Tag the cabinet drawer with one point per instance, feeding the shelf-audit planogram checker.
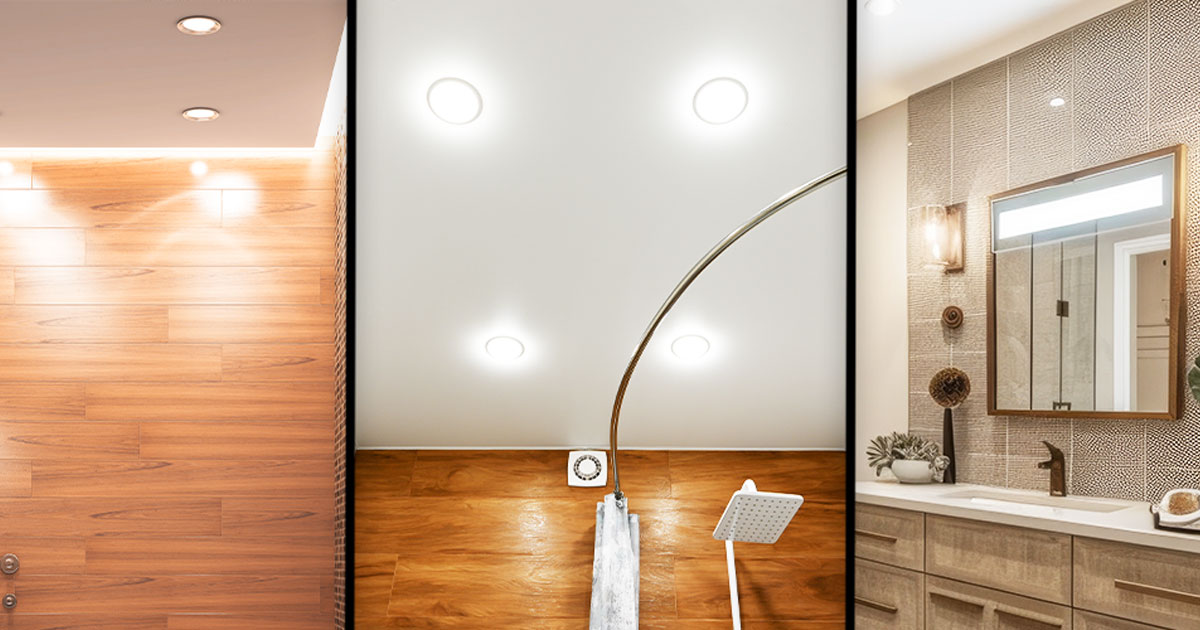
(954, 605)
(1085, 620)
(887, 597)
(890, 536)
(1014, 559)
(1150, 585)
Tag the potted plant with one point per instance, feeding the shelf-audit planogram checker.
(912, 458)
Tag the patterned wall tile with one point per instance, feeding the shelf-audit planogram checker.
(929, 146)
(931, 292)
(983, 469)
(1119, 482)
(1039, 138)
(1161, 480)
(1103, 443)
(1174, 29)
(1111, 119)
(980, 114)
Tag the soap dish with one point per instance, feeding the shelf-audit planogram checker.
(1164, 519)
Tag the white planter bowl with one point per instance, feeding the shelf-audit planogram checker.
(912, 470)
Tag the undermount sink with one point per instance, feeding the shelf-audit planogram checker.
(1006, 499)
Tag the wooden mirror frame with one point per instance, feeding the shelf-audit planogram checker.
(1178, 288)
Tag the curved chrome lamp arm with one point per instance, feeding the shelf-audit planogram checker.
(712, 254)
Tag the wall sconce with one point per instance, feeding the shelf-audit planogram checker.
(943, 227)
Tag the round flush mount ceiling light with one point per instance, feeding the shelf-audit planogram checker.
(454, 100)
(882, 7)
(201, 114)
(720, 100)
(504, 348)
(1058, 101)
(198, 25)
(690, 347)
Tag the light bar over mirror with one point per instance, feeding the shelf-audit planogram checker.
(1085, 303)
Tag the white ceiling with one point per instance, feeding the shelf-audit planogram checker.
(569, 209)
(81, 73)
(925, 42)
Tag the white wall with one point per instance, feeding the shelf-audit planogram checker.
(576, 201)
(881, 323)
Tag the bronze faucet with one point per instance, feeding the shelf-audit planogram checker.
(1058, 471)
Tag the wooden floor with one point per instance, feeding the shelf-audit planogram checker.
(496, 539)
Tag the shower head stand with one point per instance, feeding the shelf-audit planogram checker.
(753, 516)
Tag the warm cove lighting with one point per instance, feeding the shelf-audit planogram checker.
(720, 100)
(1098, 204)
(454, 101)
(883, 7)
(198, 25)
(690, 347)
(198, 168)
(201, 114)
(7, 169)
(504, 348)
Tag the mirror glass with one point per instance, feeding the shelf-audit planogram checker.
(1083, 318)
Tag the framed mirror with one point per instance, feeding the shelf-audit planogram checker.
(1086, 292)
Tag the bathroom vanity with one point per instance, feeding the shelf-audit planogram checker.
(966, 556)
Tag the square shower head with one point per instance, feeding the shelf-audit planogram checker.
(758, 517)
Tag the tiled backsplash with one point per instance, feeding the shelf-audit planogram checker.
(1131, 80)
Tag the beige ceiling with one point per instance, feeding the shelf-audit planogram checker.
(117, 73)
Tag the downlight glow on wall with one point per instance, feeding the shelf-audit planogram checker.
(504, 348)
(690, 347)
(720, 101)
(455, 101)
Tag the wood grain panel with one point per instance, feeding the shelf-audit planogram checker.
(277, 362)
(277, 208)
(528, 474)
(1084, 620)
(223, 555)
(110, 208)
(276, 516)
(110, 517)
(110, 362)
(373, 574)
(180, 478)
(237, 440)
(30, 247)
(15, 478)
(890, 536)
(328, 287)
(68, 440)
(47, 556)
(784, 588)
(1145, 584)
(577, 623)
(41, 401)
(167, 285)
(383, 474)
(8, 285)
(887, 598)
(210, 401)
(707, 473)
(182, 593)
(83, 324)
(684, 527)
(277, 621)
(498, 586)
(38, 621)
(21, 170)
(201, 247)
(251, 324)
(296, 171)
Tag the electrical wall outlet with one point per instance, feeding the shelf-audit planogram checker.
(587, 469)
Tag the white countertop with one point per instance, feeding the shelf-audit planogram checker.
(1129, 521)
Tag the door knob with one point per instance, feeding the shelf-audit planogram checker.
(10, 601)
(9, 564)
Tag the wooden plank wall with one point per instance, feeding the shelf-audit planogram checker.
(166, 391)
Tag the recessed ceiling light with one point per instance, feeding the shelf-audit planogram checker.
(198, 168)
(7, 169)
(504, 348)
(454, 100)
(1058, 101)
(198, 25)
(883, 7)
(720, 100)
(690, 347)
(201, 114)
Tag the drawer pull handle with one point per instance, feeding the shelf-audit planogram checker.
(1031, 616)
(876, 535)
(956, 597)
(1158, 591)
(887, 608)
